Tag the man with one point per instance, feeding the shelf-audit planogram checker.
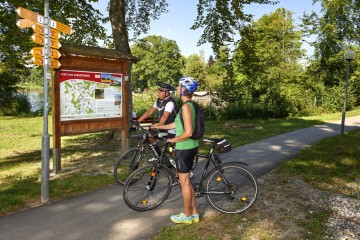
(165, 106)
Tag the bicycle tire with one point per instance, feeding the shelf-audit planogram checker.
(128, 162)
(236, 200)
(139, 195)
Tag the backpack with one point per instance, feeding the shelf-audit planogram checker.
(199, 129)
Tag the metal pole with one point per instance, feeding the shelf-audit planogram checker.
(45, 151)
(345, 95)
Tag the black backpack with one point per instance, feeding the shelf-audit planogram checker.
(199, 129)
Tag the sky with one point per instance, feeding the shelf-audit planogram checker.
(176, 23)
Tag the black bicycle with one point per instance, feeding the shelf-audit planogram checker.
(147, 150)
(228, 187)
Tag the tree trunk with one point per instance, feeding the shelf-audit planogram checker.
(121, 40)
(119, 31)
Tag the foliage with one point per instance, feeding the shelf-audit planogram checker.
(16, 43)
(143, 101)
(265, 65)
(337, 28)
(221, 19)
(160, 61)
(196, 68)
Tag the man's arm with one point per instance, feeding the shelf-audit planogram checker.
(147, 114)
(164, 118)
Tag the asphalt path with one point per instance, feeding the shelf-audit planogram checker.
(104, 215)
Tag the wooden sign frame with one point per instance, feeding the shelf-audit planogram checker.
(91, 59)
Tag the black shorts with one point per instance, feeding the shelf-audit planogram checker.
(185, 159)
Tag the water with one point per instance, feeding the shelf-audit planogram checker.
(36, 100)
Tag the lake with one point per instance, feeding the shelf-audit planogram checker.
(36, 99)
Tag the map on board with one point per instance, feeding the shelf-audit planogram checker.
(86, 95)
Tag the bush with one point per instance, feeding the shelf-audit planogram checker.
(20, 105)
(143, 101)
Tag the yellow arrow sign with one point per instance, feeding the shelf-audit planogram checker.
(38, 60)
(39, 51)
(24, 23)
(35, 17)
(38, 38)
(40, 29)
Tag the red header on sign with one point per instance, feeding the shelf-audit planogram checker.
(99, 77)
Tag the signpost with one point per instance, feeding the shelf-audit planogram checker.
(40, 29)
(40, 52)
(49, 38)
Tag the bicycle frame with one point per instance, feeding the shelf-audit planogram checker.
(216, 161)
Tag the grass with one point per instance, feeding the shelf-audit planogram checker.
(87, 162)
(332, 165)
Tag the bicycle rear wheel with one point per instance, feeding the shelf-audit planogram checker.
(128, 162)
(236, 196)
(147, 188)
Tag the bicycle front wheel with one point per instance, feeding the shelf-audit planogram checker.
(147, 188)
(232, 189)
(128, 162)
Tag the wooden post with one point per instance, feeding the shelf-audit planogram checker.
(125, 109)
(56, 123)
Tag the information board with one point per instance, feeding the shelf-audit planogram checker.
(89, 95)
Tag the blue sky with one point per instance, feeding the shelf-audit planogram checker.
(176, 24)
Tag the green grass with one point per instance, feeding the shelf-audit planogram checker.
(332, 165)
(87, 160)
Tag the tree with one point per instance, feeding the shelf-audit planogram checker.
(196, 68)
(222, 19)
(219, 72)
(16, 43)
(268, 56)
(160, 61)
(336, 30)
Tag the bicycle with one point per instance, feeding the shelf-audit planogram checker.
(146, 151)
(228, 187)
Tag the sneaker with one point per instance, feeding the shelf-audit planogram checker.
(195, 218)
(181, 218)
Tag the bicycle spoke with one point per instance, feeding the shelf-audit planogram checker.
(147, 191)
(235, 197)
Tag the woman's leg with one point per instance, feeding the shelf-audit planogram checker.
(188, 194)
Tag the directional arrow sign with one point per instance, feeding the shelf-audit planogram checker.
(38, 60)
(35, 17)
(39, 28)
(38, 38)
(39, 51)
(24, 23)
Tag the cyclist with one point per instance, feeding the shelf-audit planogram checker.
(186, 149)
(165, 106)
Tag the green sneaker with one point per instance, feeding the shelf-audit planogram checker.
(195, 218)
(181, 218)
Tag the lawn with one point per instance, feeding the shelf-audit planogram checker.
(87, 160)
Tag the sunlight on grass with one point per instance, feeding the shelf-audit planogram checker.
(88, 159)
(327, 167)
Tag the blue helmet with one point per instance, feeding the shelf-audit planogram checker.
(189, 84)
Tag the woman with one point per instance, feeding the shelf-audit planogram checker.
(186, 149)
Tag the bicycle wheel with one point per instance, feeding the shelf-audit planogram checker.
(128, 162)
(236, 196)
(147, 188)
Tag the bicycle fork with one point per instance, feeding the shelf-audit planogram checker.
(152, 180)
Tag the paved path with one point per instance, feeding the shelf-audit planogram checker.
(104, 215)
